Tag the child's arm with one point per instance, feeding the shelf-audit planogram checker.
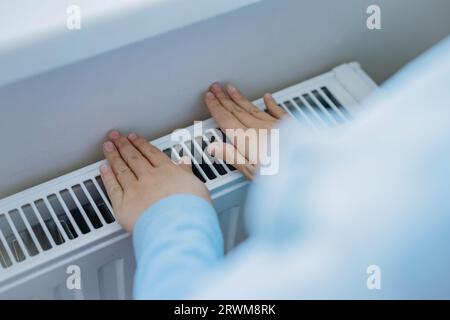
(176, 241)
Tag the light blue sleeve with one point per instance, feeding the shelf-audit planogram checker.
(175, 241)
(357, 212)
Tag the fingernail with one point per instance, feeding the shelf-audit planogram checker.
(104, 168)
(132, 136)
(268, 95)
(114, 134)
(216, 85)
(108, 146)
(209, 95)
(232, 88)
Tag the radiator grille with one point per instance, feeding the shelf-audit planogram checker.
(318, 108)
(60, 217)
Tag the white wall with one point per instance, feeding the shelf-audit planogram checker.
(55, 122)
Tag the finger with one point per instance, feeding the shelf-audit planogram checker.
(153, 154)
(249, 120)
(228, 123)
(241, 114)
(230, 155)
(224, 118)
(223, 97)
(123, 173)
(272, 107)
(132, 156)
(113, 188)
(245, 104)
(246, 118)
(185, 164)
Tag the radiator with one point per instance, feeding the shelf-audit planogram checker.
(66, 226)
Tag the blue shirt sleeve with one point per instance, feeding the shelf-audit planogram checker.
(176, 240)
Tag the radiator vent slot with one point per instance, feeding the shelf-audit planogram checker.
(52, 221)
(318, 108)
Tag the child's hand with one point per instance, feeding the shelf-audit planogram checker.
(139, 175)
(232, 110)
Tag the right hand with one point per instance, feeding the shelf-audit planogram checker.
(232, 110)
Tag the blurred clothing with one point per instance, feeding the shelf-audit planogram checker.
(374, 192)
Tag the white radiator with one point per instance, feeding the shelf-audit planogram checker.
(68, 221)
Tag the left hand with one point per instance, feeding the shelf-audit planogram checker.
(139, 174)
